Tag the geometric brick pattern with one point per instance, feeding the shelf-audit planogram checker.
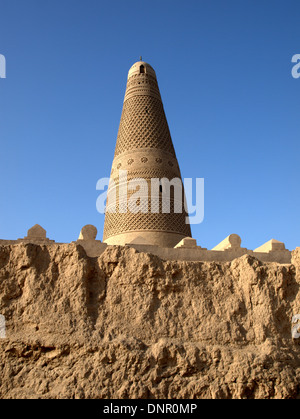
(120, 223)
(143, 125)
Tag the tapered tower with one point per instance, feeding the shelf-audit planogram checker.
(144, 150)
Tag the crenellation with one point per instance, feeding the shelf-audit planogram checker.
(37, 235)
(87, 239)
(187, 242)
(185, 250)
(233, 241)
(271, 246)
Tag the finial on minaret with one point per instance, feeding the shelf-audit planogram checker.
(141, 58)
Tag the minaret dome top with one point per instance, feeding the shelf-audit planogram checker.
(141, 67)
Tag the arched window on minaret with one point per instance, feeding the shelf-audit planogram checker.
(142, 69)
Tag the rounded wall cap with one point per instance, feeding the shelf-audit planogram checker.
(88, 232)
(135, 69)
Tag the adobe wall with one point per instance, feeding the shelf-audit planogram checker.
(186, 250)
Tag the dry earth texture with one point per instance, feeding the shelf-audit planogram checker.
(130, 325)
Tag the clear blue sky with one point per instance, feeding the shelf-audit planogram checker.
(224, 71)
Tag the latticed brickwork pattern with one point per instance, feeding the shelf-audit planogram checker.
(144, 205)
(143, 125)
(116, 223)
(120, 223)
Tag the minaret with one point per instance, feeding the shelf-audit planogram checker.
(144, 149)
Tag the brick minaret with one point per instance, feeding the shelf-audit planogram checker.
(145, 150)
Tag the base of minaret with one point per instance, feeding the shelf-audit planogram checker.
(155, 238)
